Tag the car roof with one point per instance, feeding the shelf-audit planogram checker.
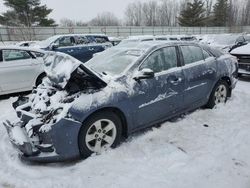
(77, 34)
(147, 45)
(21, 48)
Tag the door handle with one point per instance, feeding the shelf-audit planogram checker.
(176, 81)
(91, 49)
(70, 51)
(210, 71)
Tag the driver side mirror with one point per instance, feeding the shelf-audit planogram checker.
(144, 74)
(54, 46)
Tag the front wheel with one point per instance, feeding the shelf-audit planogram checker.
(219, 94)
(101, 131)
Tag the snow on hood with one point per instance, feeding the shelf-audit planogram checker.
(242, 50)
(59, 66)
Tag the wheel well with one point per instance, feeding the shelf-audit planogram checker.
(120, 114)
(227, 79)
(40, 76)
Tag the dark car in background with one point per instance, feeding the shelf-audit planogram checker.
(86, 108)
(79, 46)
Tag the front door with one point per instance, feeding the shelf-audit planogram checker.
(159, 97)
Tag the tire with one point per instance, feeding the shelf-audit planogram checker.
(219, 94)
(92, 137)
(40, 78)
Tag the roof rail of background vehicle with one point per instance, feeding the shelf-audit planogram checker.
(14, 47)
(146, 45)
(79, 34)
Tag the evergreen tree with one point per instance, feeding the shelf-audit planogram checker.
(26, 13)
(221, 10)
(193, 14)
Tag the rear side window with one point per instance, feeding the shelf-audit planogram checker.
(81, 40)
(38, 54)
(101, 39)
(191, 54)
(144, 40)
(11, 55)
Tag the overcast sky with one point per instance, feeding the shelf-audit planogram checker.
(82, 9)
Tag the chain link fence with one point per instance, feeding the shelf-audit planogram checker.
(41, 33)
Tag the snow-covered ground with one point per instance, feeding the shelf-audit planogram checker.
(207, 148)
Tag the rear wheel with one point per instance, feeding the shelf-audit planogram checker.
(101, 131)
(219, 94)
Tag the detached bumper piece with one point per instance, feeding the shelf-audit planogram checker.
(58, 144)
(28, 151)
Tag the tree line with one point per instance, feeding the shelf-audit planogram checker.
(188, 13)
(153, 13)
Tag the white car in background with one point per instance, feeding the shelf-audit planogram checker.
(243, 55)
(20, 69)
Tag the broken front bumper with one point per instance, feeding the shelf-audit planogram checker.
(59, 143)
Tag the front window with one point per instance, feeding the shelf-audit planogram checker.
(161, 60)
(66, 41)
(11, 55)
(113, 61)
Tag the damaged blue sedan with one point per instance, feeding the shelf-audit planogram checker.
(81, 109)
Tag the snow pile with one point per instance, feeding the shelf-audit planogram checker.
(207, 148)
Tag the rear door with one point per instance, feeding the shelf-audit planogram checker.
(211, 72)
(18, 70)
(196, 75)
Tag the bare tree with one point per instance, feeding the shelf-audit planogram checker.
(65, 22)
(133, 14)
(208, 5)
(150, 11)
(105, 19)
(246, 14)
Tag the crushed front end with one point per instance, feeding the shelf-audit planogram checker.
(46, 131)
(44, 135)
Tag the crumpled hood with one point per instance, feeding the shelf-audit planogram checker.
(59, 68)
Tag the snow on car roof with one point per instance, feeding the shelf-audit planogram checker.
(13, 47)
(146, 45)
(244, 50)
(140, 37)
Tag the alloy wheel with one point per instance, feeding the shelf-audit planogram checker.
(100, 135)
(220, 95)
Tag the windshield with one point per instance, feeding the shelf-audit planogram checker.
(113, 61)
(46, 43)
(226, 39)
